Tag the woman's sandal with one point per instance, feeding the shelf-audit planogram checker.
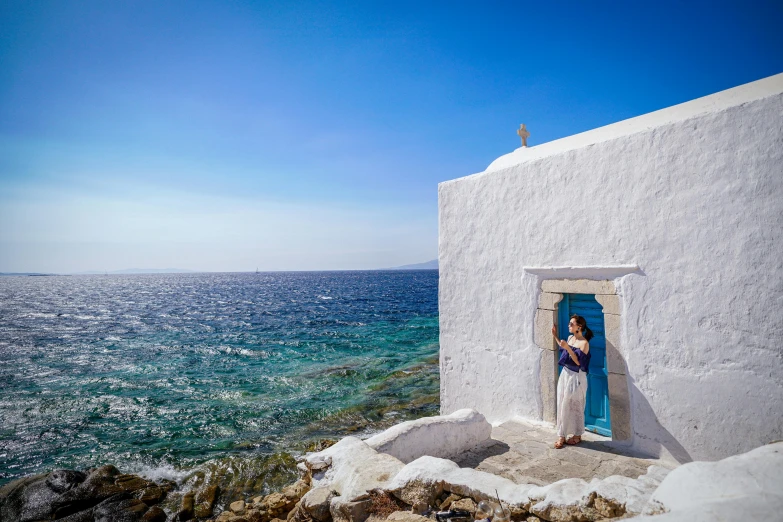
(576, 439)
(560, 443)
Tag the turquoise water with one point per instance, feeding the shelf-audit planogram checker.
(200, 377)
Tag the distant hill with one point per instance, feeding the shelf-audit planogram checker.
(141, 271)
(25, 274)
(429, 265)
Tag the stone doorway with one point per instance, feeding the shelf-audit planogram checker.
(552, 291)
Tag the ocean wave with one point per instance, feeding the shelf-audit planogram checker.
(161, 472)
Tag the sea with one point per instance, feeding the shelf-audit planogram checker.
(212, 378)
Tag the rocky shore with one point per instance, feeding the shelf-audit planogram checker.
(102, 494)
(403, 475)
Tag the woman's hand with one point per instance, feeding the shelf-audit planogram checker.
(564, 345)
(554, 331)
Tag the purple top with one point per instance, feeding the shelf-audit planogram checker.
(565, 359)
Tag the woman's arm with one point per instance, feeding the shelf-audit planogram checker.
(564, 346)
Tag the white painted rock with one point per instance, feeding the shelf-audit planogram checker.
(605, 498)
(748, 486)
(432, 472)
(353, 468)
(440, 436)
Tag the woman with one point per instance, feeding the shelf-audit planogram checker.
(572, 384)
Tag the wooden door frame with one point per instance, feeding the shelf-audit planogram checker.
(552, 291)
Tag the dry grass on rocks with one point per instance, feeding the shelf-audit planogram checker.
(384, 504)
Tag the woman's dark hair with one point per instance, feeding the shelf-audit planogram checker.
(580, 321)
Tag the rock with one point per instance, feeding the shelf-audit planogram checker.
(131, 482)
(81, 516)
(62, 480)
(355, 468)
(294, 492)
(28, 498)
(742, 487)
(376, 518)
(441, 436)
(466, 504)
(155, 514)
(277, 505)
(256, 515)
(151, 495)
(608, 508)
(238, 507)
(343, 511)
(105, 471)
(316, 503)
(419, 492)
(274, 502)
(425, 478)
(205, 501)
(298, 514)
(406, 516)
(420, 508)
(446, 504)
(75, 496)
(186, 510)
(533, 518)
(119, 509)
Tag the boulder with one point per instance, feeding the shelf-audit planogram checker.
(294, 492)
(151, 495)
(316, 503)
(347, 511)
(186, 511)
(276, 505)
(155, 514)
(354, 468)
(406, 516)
(742, 487)
(74, 496)
(446, 503)
(205, 501)
(443, 436)
(257, 515)
(62, 480)
(466, 504)
(119, 509)
(238, 507)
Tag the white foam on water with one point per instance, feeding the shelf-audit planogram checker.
(156, 473)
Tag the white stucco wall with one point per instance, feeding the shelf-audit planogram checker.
(693, 196)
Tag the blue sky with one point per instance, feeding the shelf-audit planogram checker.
(225, 136)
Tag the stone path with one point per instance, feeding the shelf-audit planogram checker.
(524, 453)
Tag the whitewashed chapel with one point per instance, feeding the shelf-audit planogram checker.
(666, 233)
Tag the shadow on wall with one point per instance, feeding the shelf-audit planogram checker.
(652, 437)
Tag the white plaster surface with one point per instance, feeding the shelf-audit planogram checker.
(691, 195)
(351, 468)
(744, 487)
(439, 436)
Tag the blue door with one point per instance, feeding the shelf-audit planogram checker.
(597, 406)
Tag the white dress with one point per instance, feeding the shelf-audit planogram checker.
(571, 397)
